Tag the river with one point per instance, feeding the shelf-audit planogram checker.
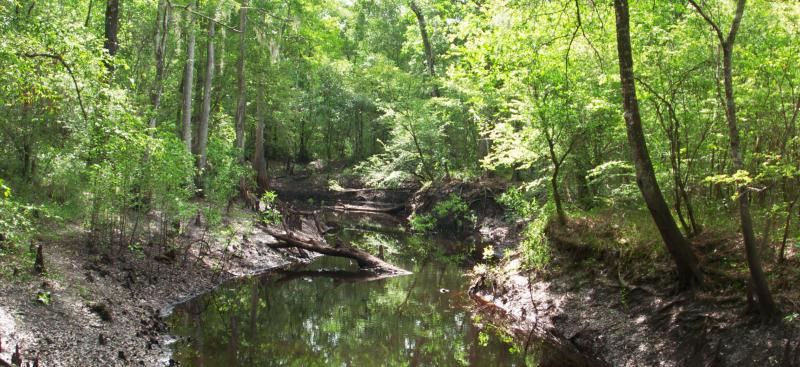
(328, 313)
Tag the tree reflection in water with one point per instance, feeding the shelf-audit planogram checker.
(329, 313)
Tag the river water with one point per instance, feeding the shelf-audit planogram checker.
(327, 313)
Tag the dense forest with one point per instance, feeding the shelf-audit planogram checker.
(660, 134)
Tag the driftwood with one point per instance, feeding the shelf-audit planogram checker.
(337, 275)
(303, 230)
(365, 260)
(369, 207)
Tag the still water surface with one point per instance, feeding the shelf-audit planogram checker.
(327, 314)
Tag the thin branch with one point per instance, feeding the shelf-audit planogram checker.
(708, 20)
(583, 32)
(71, 74)
(737, 20)
(267, 13)
(187, 9)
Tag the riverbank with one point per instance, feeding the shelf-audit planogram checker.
(608, 294)
(105, 307)
(598, 301)
(624, 311)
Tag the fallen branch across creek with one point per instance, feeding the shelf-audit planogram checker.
(368, 207)
(365, 260)
(336, 275)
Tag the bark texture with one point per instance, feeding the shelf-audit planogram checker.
(111, 43)
(242, 86)
(160, 42)
(188, 82)
(259, 162)
(677, 245)
(208, 83)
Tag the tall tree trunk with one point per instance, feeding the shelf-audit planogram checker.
(162, 33)
(88, 20)
(197, 105)
(202, 131)
(188, 81)
(111, 43)
(220, 59)
(242, 102)
(423, 30)
(677, 245)
(259, 163)
(766, 304)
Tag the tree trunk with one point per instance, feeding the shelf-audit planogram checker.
(162, 32)
(766, 304)
(88, 20)
(560, 215)
(426, 44)
(111, 43)
(202, 131)
(199, 83)
(786, 226)
(38, 266)
(696, 227)
(241, 104)
(259, 163)
(677, 245)
(188, 81)
(758, 280)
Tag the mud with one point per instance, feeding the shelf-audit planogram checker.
(105, 307)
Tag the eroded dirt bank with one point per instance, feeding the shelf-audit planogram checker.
(105, 307)
(590, 301)
(635, 328)
(610, 307)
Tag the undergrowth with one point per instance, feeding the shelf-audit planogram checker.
(451, 214)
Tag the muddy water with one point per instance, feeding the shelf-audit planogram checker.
(327, 313)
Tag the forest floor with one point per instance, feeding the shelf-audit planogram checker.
(597, 300)
(602, 299)
(105, 307)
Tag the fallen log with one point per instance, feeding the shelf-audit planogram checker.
(377, 208)
(337, 275)
(365, 260)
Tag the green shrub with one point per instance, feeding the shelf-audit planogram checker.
(451, 214)
(535, 246)
(518, 202)
(422, 222)
(270, 215)
(16, 224)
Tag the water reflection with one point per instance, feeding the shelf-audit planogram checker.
(330, 314)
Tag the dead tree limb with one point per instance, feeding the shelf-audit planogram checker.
(369, 208)
(365, 260)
